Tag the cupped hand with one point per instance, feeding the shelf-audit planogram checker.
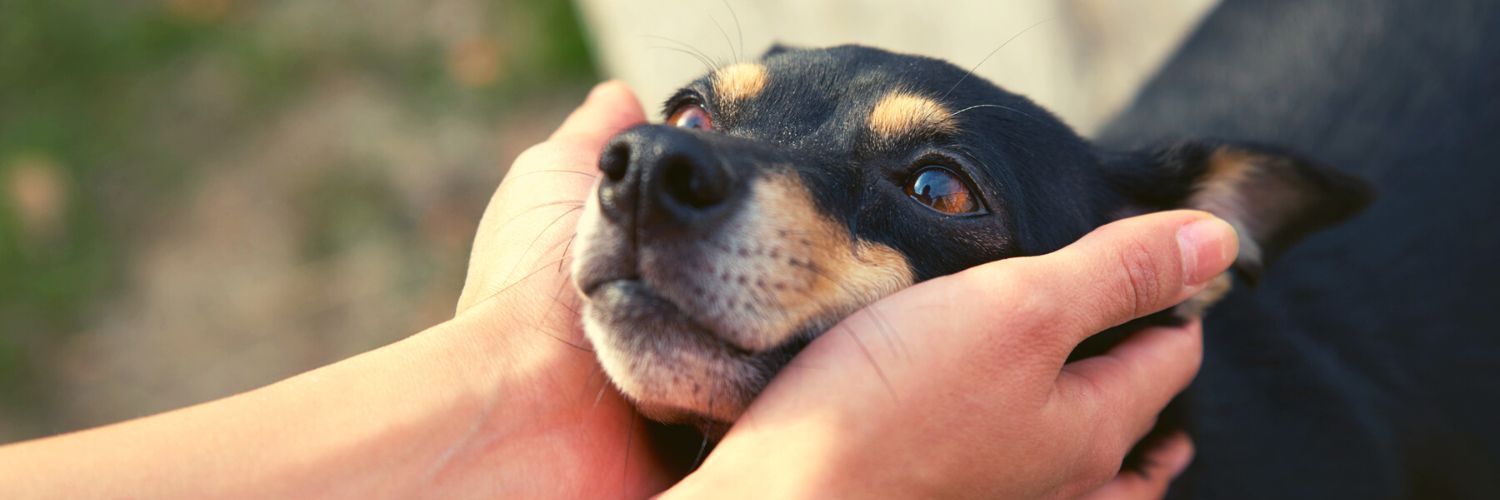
(955, 386)
(557, 430)
(960, 386)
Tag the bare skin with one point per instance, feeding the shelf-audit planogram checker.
(506, 400)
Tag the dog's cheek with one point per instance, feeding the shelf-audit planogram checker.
(840, 272)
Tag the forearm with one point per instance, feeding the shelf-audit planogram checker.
(482, 405)
(380, 422)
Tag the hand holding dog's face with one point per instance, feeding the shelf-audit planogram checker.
(962, 387)
(785, 194)
(554, 428)
(551, 397)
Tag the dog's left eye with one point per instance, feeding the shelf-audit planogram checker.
(943, 190)
(691, 116)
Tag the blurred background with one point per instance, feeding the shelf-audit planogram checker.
(200, 197)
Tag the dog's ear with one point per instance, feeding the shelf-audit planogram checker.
(1272, 198)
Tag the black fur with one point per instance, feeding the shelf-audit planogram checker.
(1364, 366)
(1367, 365)
(1044, 185)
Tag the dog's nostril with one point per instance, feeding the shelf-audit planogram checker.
(615, 161)
(691, 183)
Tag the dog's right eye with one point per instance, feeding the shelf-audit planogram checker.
(942, 190)
(691, 116)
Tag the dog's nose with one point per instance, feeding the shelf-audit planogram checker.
(665, 173)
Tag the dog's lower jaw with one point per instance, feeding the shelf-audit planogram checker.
(670, 370)
(673, 370)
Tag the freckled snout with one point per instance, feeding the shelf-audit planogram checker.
(665, 178)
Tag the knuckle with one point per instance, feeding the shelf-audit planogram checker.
(1143, 275)
(1011, 290)
(1101, 455)
(1100, 469)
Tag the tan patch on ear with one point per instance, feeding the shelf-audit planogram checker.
(1242, 188)
(900, 114)
(1219, 191)
(739, 82)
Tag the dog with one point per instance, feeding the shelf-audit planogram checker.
(1365, 365)
(784, 194)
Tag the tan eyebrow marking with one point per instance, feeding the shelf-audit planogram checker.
(900, 114)
(739, 82)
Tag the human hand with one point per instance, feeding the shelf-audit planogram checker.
(556, 430)
(505, 400)
(529, 222)
(959, 386)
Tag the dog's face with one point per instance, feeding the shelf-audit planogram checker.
(782, 195)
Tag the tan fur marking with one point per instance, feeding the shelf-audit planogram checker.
(900, 114)
(841, 274)
(1232, 180)
(778, 269)
(1228, 172)
(739, 82)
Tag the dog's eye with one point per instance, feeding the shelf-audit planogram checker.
(691, 116)
(942, 190)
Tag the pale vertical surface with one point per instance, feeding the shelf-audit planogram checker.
(1083, 61)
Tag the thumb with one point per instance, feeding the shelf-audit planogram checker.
(608, 110)
(1023, 312)
(1122, 271)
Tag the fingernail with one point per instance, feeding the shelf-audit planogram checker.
(1207, 247)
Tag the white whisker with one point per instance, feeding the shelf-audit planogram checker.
(1007, 108)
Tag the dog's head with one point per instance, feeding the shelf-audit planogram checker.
(782, 195)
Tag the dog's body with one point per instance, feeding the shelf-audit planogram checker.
(1367, 365)
(784, 194)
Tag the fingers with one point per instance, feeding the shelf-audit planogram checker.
(1119, 272)
(1164, 461)
(1127, 387)
(609, 109)
(1027, 314)
(545, 184)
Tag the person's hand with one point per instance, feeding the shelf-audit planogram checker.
(557, 429)
(958, 387)
(503, 401)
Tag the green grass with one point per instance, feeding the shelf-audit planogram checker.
(84, 84)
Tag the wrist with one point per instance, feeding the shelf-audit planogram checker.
(549, 422)
(511, 351)
(769, 462)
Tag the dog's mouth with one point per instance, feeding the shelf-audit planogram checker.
(675, 368)
(640, 304)
(691, 323)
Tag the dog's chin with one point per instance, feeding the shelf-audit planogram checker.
(674, 370)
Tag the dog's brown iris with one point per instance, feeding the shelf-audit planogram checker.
(691, 116)
(942, 190)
